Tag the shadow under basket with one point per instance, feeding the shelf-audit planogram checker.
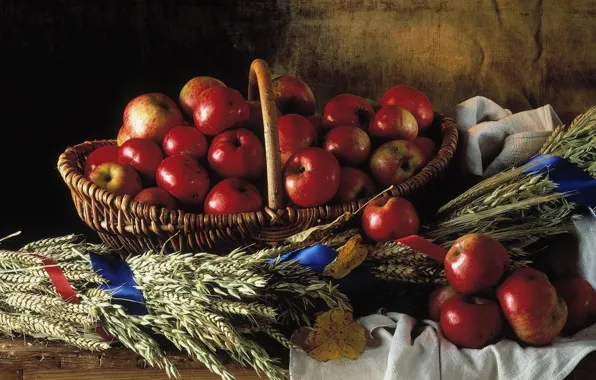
(133, 228)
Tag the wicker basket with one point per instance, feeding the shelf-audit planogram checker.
(134, 227)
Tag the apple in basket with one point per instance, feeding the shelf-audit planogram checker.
(183, 177)
(471, 321)
(156, 196)
(295, 132)
(149, 116)
(394, 122)
(428, 147)
(189, 95)
(293, 95)
(108, 153)
(413, 100)
(354, 184)
(220, 108)
(350, 145)
(532, 307)
(311, 177)
(185, 140)
(389, 218)
(232, 196)
(237, 153)
(395, 162)
(143, 155)
(117, 178)
(580, 298)
(475, 262)
(347, 109)
(437, 299)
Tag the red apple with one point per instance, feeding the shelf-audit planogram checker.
(233, 196)
(580, 298)
(413, 100)
(471, 322)
(117, 178)
(390, 218)
(108, 153)
(189, 95)
(354, 184)
(393, 122)
(347, 109)
(351, 145)
(437, 299)
(427, 146)
(475, 262)
(156, 196)
(237, 154)
(532, 307)
(149, 116)
(183, 177)
(220, 108)
(311, 177)
(293, 95)
(143, 155)
(396, 161)
(185, 140)
(295, 132)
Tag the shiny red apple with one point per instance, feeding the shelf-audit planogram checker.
(237, 153)
(189, 95)
(149, 116)
(354, 184)
(580, 298)
(292, 95)
(347, 109)
(311, 177)
(532, 307)
(475, 262)
(295, 132)
(156, 196)
(143, 155)
(117, 178)
(395, 162)
(350, 145)
(394, 122)
(185, 140)
(220, 108)
(108, 153)
(183, 177)
(437, 299)
(413, 100)
(233, 196)
(471, 322)
(390, 218)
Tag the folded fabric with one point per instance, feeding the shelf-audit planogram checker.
(493, 139)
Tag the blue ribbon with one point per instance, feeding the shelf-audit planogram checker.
(119, 282)
(317, 257)
(568, 177)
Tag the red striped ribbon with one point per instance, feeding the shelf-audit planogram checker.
(422, 245)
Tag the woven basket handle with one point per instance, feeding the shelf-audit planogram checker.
(259, 83)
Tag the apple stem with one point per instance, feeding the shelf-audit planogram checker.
(11, 235)
(373, 198)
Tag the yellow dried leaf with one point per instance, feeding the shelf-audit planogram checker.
(350, 257)
(336, 334)
(318, 232)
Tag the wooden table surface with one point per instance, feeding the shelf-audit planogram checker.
(38, 360)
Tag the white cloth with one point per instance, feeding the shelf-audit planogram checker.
(493, 139)
(394, 354)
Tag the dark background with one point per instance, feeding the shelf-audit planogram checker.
(68, 69)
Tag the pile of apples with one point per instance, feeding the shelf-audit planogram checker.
(483, 296)
(206, 153)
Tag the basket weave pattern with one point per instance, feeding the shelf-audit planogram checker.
(134, 227)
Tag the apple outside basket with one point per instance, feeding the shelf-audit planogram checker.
(132, 227)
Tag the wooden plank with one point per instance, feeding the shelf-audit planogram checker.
(11, 375)
(148, 374)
